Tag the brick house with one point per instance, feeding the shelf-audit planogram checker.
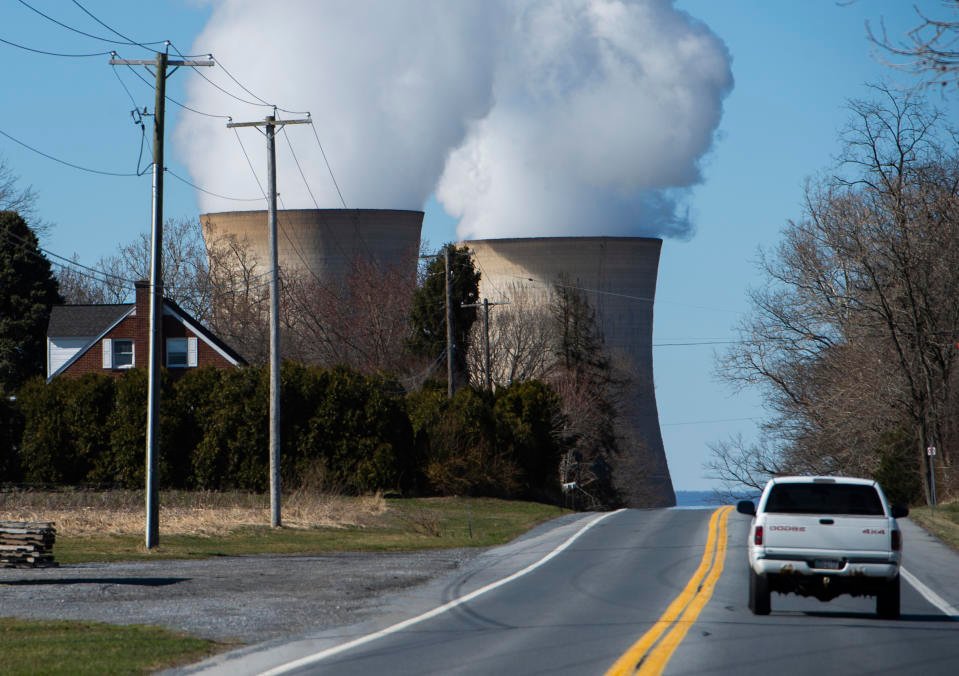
(112, 338)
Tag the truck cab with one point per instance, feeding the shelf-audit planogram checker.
(823, 537)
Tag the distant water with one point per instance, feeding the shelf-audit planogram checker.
(702, 499)
(687, 499)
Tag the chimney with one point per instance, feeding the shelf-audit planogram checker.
(142, 297)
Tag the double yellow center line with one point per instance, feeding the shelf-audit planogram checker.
(650, 654)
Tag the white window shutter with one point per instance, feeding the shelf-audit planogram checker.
(107, 353)
(191, 351)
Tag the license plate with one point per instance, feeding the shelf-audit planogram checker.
(827, 564)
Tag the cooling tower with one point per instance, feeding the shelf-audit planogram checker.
(326, 241)
(618, 277)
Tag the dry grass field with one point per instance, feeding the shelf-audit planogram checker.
(78, 513)
(943, 521)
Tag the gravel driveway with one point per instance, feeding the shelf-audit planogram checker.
(247, 599)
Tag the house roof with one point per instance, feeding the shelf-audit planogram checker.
(84, 321)
(95, 321)
(202, 331)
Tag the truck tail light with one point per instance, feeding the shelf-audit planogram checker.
(896, 541)
(758, 536)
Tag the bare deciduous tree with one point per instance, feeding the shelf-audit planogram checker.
(522, 341)
(238, 297)
(185, 270)
(13, 198)
(931, 49)
(853, 337)
(361, 321)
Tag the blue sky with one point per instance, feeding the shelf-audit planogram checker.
(795, 65)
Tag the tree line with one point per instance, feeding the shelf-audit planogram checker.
(345, 345)
(854, 338)
(341, 431)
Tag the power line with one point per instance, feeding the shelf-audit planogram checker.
(64, 162)
(265, 103)
(240, 85)
(42, 51)
(214, 84)
(22, 242)
(209, 192)
(584, 289)
(84, 33)
(328, 167)
(248, 162)
(116, 32)
(137, 120)
(259, 101)
(286, 234)
(300, 168)
(620, 295)
(177, 103)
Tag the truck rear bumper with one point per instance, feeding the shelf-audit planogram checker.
(879, 570)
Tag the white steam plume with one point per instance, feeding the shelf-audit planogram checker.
(391, 87)
(535, 118)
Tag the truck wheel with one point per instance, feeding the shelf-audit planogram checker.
(758, 593)
(887, 600)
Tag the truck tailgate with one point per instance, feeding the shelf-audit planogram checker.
(824, 533)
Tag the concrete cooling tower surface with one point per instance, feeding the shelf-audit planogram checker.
(618, 277)
(326, 241)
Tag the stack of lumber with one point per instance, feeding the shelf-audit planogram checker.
(25, 544)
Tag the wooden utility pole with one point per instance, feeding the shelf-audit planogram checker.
(450, 344)
(161, 63)
(270, 123)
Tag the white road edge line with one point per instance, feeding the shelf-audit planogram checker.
(343, 647)
(930, 595)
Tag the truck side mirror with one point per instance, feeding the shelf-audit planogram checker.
(746, 507)
(899, 511)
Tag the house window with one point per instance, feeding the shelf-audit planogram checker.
(117, 354)
(181, 352)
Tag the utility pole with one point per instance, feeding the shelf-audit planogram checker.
(161, 63)
(486, 351)
(931, 455)
(270, 123)
(450, 344)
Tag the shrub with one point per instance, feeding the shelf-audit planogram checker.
(463, 458)
(47, 454)
(527, 431)
(11, 431)
(355, 427)
(184, 418)
(233, 451)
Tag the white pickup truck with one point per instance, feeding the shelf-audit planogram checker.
(822, 537)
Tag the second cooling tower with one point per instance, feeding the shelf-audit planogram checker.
(618, 277)
(327, 242)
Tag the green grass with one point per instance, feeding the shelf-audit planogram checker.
(407, 525)
(59, 647)
(942, 521)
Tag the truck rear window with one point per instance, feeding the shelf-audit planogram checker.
(851, 499)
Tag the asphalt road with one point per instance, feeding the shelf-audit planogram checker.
(842, 636)
(580, 611)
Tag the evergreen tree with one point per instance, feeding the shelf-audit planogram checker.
(428, 314)
(27, 291)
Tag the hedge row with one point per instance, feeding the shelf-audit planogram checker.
(339, 430)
